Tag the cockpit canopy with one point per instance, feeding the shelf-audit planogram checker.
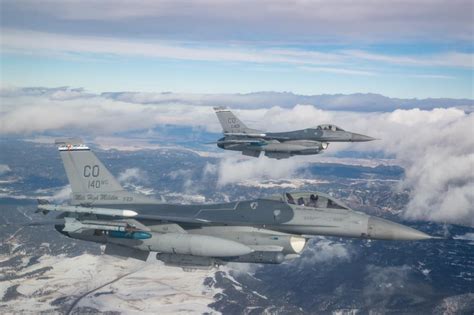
(329, 127)
(313, 200)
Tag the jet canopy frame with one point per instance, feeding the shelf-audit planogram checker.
(329, 127)
(313, 200)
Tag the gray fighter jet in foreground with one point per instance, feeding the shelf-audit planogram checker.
(279, 145)
(267, 230)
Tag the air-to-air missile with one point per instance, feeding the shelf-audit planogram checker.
(267, 230)
(279, 145)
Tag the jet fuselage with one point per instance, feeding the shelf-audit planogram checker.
(279, 145)
(265, 230)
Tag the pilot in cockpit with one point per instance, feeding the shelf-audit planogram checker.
(290, 198)
(313, 201)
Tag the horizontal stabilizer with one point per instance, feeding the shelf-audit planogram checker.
(37, 223)
(42, 201)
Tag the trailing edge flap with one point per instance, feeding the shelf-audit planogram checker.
(125, 252)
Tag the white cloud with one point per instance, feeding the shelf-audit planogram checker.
(234, 169)
(99, 115)
(466, 237)
(339, 71)
(4, 169)
(322, 250)
(133, 174)
(62, 194)
(436, 147)
(133, 179)
(57, 44)
(209, 170)
(67, 46)
(452, 59)
(337, 20)
(381, 283)
(240, 269)
(255, 101)
(433, 76)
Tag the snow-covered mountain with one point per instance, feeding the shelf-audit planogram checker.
(42, 271)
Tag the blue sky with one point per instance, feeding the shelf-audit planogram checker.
(395, 48)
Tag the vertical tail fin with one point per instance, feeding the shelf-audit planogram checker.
(91, 182)
(230, 123)
(85, 172)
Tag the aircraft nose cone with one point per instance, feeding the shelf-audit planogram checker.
(387, 230)
(360, 138)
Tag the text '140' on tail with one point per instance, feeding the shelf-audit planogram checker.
(91, 182)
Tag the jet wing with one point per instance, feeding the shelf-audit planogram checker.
(117, 213)
(86, 210)
(174, 219)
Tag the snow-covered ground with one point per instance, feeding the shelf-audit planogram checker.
(106, 284)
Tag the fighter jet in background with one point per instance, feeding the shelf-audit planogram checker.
(266, 230)
(279, 145)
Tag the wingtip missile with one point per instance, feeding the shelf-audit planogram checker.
(91, 210)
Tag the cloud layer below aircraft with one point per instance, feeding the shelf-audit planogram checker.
(435, 145)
